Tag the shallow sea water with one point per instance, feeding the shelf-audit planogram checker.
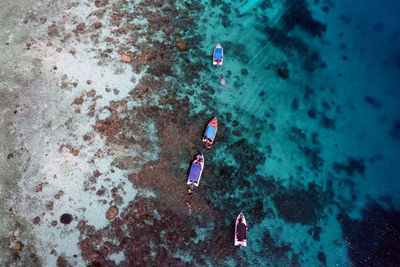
(307, 147)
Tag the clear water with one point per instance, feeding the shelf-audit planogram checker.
(307, 146)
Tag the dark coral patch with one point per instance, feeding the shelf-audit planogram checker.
(396, 59)
(249, 154)
(238, 50)
(283, 70)
(395, 131)
(312, 113)
(310, 148)
(313, 156)
(315, 232)
(295, 104)
(282, 254)
(322, 257)
(372, 101)
(281, 39)
(298, 14)
(312, 61)
(374, 240)
(297, 134)
(352, 166)
(328, 123)
(300, 205)
(308, 91)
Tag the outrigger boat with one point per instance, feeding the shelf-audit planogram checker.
(210, 133)
(195, 171)
(241, 231)
(218, 56)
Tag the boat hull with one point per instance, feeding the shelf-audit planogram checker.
(240, 243)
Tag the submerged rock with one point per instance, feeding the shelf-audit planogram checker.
(283, 70)
(36, 220)
(38, 188)
(18, 246)
(60, 193)
(126, 58)
(80, 27)
(101, 3)
(283, 73)
(112, 213)
(78, 101)
(66, 218)
(181, 45)
(61, 262)
(92, 92)
(97, 25)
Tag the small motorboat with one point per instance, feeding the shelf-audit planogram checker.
(195, 170)
(241, 231)
(218, 56)
(210, 133)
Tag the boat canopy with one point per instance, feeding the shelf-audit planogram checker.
(210, 132)
(241, 232)
(195, 171)
(218, 54)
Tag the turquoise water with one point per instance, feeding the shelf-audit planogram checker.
(307, 145)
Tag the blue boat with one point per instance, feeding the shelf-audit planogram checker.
(218, 56)
(210, 133)
(195, 171)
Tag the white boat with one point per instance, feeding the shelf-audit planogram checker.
(241, 231)
(196, 170)
(218, 55)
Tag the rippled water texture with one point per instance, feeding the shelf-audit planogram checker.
(103, 104)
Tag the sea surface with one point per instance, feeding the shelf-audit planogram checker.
(103, 105)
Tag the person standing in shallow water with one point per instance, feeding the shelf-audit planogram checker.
(223, 82)
(188, 200)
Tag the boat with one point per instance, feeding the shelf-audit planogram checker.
(195, 171)
(210, 133)
(218, 56)
(241, 231)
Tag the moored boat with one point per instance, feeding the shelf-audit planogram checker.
(196, 170)
(241, 231)
(210, 133)
(218, 55)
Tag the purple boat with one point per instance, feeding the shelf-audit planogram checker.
(195, 171)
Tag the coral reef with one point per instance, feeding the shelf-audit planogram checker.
(299, 205)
